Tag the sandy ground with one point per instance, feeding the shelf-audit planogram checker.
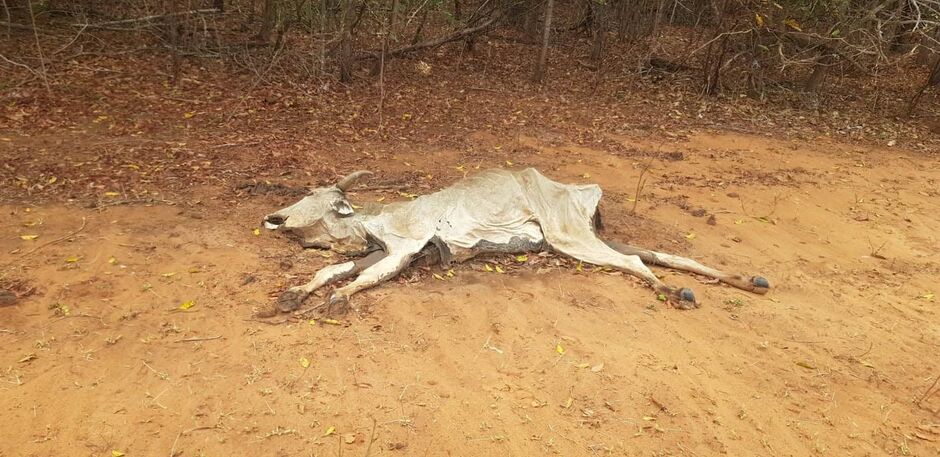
(548, 358)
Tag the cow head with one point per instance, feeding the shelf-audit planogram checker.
(323, 219)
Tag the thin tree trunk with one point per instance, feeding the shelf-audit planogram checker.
(267, 21)
(175, 41)
(539, 74)
(457, 9)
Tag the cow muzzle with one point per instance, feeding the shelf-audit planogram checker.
(274, 221)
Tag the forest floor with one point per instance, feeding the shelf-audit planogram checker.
(130, 240)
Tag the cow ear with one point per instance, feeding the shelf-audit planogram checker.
(342, 207)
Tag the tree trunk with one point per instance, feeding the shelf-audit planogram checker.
(457, 9)
(599, 31)
(267, 20)
(539, 74)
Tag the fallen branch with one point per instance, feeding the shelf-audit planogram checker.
(191, 340)
(61, 238)
(431, 43)
(149, 18)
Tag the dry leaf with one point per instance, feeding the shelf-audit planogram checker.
(187, 304)
(597, 368)
(117, 453)
(583, 365)
(793, 24)
(568, 403)
(52, 180)
(522, 258)
(188, 114)
(450, 273)
(28, 237)
(72, 259)
(559, 349)
(487, 267)
(256, 231)
(437, 276)
(329, 431)
(349, 438)
(759, 19)
(304, 362)
(111, 194)
(690, 236)
(332, 322)
(499, 269)
(112, 260)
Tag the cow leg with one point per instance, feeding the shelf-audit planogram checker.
(588, 248)
(382, 271)
(292, 298)
(756, 284)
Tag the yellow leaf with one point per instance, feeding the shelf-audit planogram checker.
(29, 237)
(72, 259)
(111, 194)
(329, 431)
(580, 266)
(112, 260)
(499, 269)
(522, 258)
(488, 267)
(450, 273)
(195, 270)
(437, 276)
(459, 168)
(568, 403)
(332, 322)
(739, 221)
(132, 166)
(559, 349)
(256, 231)
(99, 119)
(405, 116)
(509, 162)
(649, 418)
(188, 304)
(380, 199)
(168, 275)
(759, 19)
(690, 236)
(355, 206)
(304, 362)
(805, 365)
(586, 175)
(583, 365)
(52, 180)
(188, 114)
(927, 296)
(117, 453)
(793, 24)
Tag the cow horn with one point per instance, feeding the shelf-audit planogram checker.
(351, 179)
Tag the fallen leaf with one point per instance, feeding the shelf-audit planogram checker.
(759, 19)
(690, 236)
(72, 259)
(117, 453)
(793, 24)
(349, 438)
(586, 175)
(112, 260)
(380, 199)
(329, 431)
(188, 114)
(560, 349)
(304, 362)
(522, 258)
(580, 266)
(256, 231)
(583, 365)
(508, 162)
(597, 368)
(168, 275)
(499, 269)
(487, 267)
(739, 221)
(805, 365)
(437, 276)
(52, 180)
(450, 273)
(28, 237)
(187, 304)
(332, 322)
(927, 296)
(568, 403)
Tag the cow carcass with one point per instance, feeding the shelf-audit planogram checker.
(496, 211)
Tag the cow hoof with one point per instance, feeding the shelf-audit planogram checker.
(686, 299)
(290, 300)
(337, 305)
(760, 284)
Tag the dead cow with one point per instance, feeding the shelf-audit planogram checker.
(497, 211)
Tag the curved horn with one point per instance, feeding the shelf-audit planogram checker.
(351, 179)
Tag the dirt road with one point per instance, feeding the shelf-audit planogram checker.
(548, 358)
